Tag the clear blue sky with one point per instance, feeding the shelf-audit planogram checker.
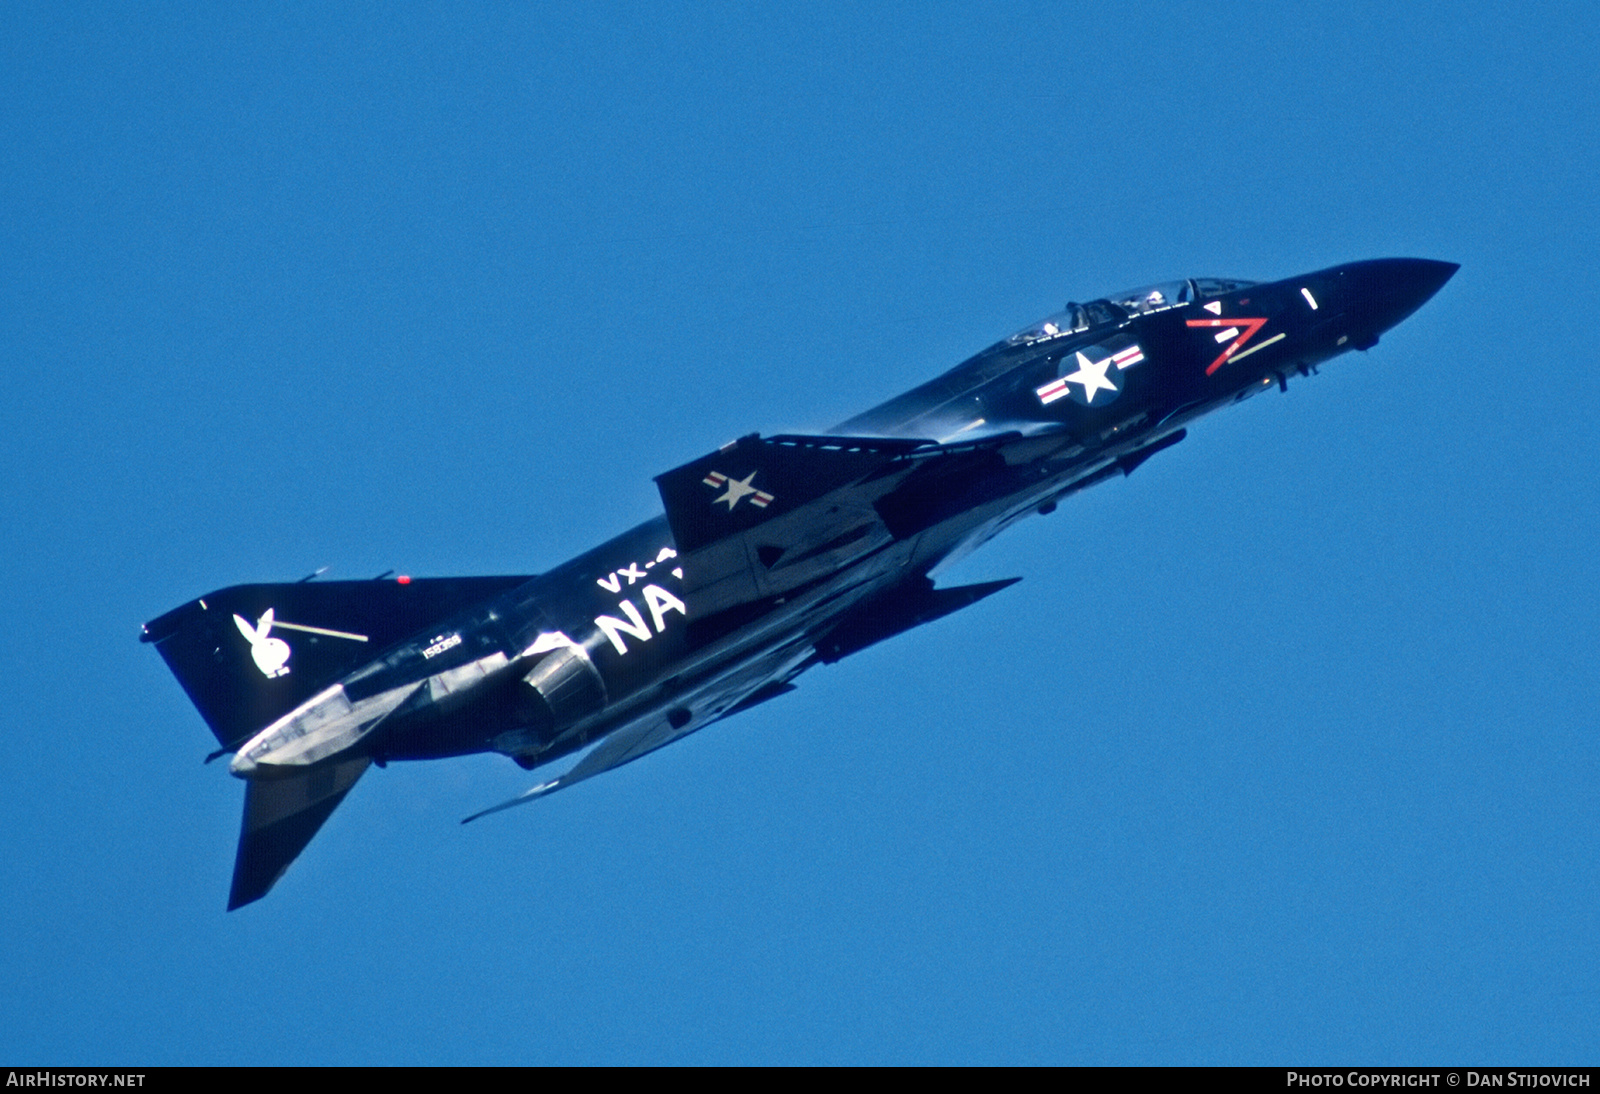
(1284, 751)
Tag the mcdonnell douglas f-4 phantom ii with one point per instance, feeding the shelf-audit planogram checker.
(774, 554)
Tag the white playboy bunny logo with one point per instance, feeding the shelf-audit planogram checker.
(271, 654)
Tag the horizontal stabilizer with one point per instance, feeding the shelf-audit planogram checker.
(280, 817)
(249, 654)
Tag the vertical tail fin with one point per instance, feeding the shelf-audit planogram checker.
(249, 654)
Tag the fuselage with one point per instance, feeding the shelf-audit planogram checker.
(773, 555)
(607, 640)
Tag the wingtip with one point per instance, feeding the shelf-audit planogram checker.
(526, 796)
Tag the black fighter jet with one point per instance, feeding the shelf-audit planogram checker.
(774, 554)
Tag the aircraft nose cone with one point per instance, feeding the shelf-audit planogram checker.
(1383, 292)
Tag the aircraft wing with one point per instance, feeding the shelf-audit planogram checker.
(621, 747)
(762, 517)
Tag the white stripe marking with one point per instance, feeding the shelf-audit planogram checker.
(319, 630)
(975, 424)
(1252, 349)
(1309, 299)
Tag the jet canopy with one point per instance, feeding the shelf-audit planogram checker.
(1126, 305)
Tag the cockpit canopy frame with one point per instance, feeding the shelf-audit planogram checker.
(1122, 306)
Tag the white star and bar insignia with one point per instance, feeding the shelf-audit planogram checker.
(737, 490)
(1093, 376)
